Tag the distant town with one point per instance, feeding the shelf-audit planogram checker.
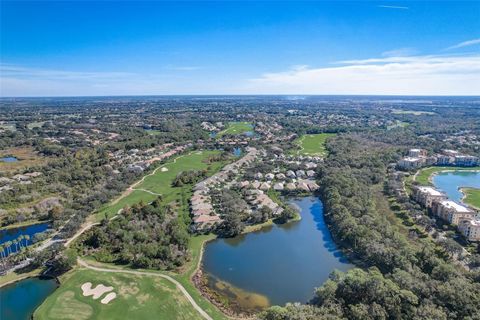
(211, 204)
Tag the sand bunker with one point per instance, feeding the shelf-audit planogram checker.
(97, 292)
(164, 169)
(109, 297)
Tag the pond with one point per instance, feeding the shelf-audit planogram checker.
(13, 234)
(237, 152)
(450, 182)
(278, 264)
(8, 159)
(20, 299)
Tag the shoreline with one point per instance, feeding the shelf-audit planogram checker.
(37, 273)
(430, 178)
(464, 195)
(199, 279)
(23, 224)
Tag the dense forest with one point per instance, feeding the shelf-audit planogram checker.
(401, 278)
(143, 236)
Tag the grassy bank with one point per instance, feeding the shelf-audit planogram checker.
(14, 276)
(472, 197)
(423, 176)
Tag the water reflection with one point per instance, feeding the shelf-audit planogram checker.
(281, 262)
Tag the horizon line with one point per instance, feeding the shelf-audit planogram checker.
(237, 95)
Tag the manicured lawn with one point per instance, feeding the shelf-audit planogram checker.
(313, 144)
(413, 112)
(189, 269)
(235, 128)
(424, 175)
(13, 276)
(472, 197)
(142, 297)
(37, 124)
(161, 183)
(26, 156)
(138, 297)
(153, 132)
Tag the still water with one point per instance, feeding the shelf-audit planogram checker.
(450, 182)
(14, 233)
(277, 264)
(8, 159)
(20, 299)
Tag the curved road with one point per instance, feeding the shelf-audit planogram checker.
(178, 284)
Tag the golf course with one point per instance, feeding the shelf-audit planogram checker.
(137, 297)
(137, 293)
(313, 144)
(236, 128)
(160, 183)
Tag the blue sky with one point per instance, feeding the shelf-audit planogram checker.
(316, 47)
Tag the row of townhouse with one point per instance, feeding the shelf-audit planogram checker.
(456, 214)
(204, 215)
(418, 158)
(258, 199)
(301, 184)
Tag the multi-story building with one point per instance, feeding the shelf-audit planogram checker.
(417, 153)
(452, 212)
(408, 163)
(466, 161)
(444, 160)
(470, 229)
(426, 196)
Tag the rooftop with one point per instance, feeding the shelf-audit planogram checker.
(431, 191)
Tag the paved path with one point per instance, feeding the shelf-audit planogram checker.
(148, 191)
(178, 284)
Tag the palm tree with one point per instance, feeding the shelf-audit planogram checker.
(2, 252)
(15, 243)
(27, 238)
(19, 240)
(7, 245)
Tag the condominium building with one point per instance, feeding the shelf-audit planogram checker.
(408, 163)
(426, 196)
(452, 212)
(466, 161)
(417, 153)
(470, 229)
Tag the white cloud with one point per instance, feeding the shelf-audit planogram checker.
(401, 52)
(393, 7)
(414, 75)
(464, 44)
(8, 70)
(25, 81)
(388, 75)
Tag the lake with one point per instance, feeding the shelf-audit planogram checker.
(14, 233)
(237, 151)
(278, 264)
(450, 182)
(8, 159)
(20, 299)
